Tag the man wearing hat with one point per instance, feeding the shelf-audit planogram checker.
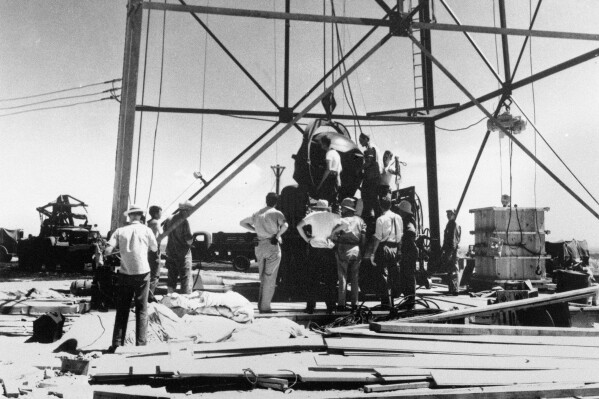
(321, 262)
(449, 252)
(133, 242)
(385, 252)
(350, 236)
(269, 224)
(178, 249)
(409, 254)
(370, 182)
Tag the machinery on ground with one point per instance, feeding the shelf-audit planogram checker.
(61, 241)
(8, 243)
(238, 248)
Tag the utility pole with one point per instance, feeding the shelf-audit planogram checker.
(278, 171)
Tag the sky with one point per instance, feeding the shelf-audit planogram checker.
(49, 46)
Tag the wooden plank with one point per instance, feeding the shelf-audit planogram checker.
(457, 362)
(523, 391)
(474, 329)
(567, 296)
(507, 377)
(496, 339)
(461, 348)
(395, 387)
(126, 395)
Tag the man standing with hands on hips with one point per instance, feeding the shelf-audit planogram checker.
(133, 242)
(269, 224)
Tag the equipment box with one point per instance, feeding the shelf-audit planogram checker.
(510, 268)
(509, 219)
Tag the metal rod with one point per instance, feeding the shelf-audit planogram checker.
(286, 76)
(275, 114)
(277, 135)
(124, 145)
(225, 49)
(505, 31)
(471, 40)
(238, 12)
(504, 44)
(526, 81)
(341, 61)
(505, 131)
(383, 5)
(532, 22)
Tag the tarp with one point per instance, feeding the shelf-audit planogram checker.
(8, 238)
(568, 252)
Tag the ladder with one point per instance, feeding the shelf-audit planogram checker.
(417, 62)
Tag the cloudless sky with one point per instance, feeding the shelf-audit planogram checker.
(47, 46)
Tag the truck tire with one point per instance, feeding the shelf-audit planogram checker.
(241, 263)
(4, 255)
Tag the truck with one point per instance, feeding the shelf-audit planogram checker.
(237, 248)
(61, 241)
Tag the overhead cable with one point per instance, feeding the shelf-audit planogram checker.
(60, 91)
(461, 128)
(59, 99)
(57, 106)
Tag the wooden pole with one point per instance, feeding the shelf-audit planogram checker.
(124, 146)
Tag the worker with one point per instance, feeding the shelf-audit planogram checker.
(269, 224)
(133, 242)
(449, 252)
(409, 254)
(390, 173)
(154, 257)
(385, 251)
(328, 188)
(178, 249)
(371, 178)
(350, 236)
(321, 262)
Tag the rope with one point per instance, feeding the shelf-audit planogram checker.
(60, 91)
(143, 93)
(461, 128)
(158, 113)
(274, 31)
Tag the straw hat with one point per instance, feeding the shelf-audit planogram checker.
(133, 209)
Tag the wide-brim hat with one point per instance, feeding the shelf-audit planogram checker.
(185, 206)
(349, 204)
(133, 209)
(321, 204)
(405, 207)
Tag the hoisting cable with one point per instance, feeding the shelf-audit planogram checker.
(143, 93)
(203, 92)
(59, 91)
(59, 99)
(274, 34)
(158, 113)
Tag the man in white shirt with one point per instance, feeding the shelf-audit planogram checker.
(269, 224)
(385, 252)
(321, 265)
(328, 188)
(390, 173)
(133, 242)
(154, 257)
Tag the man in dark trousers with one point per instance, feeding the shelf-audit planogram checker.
(449, 252)
(154, 257)
(178, 250)
(321, 265)
(133, 242)
(409, 254)
(370, 183)
(269, 224)
(385, 252)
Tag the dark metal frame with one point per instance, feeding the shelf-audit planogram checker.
(399, 24)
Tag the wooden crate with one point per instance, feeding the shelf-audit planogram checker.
(511, 219)
(533, 243)
(510, 267)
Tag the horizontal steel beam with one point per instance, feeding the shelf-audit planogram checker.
(235, 12)
(506, 31)
(275, 114)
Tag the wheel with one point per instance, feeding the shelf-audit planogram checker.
(4, 255)
(241, 263)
